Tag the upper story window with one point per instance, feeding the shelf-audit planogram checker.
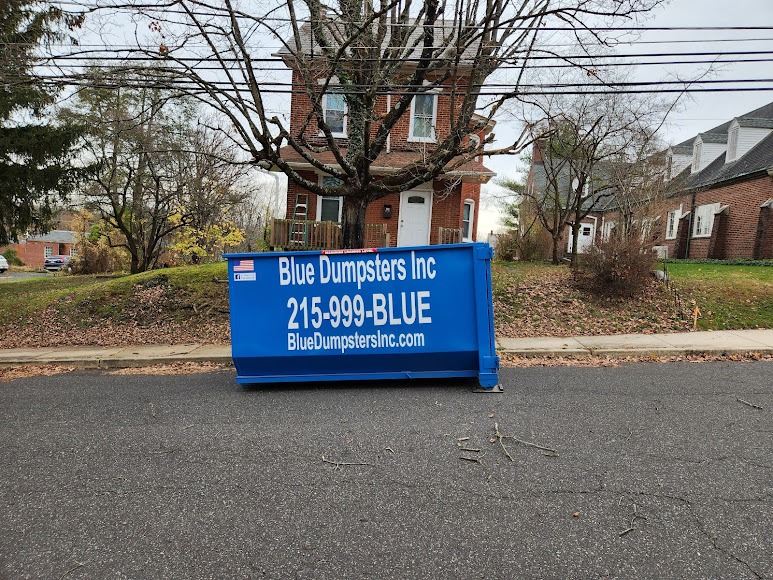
(334, 112)
(468, 214)
(732, 144)
(696, 156)
(704, 220)
(423, 116)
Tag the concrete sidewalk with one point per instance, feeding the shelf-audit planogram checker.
(619, 345)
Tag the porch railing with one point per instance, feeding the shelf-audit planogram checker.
(315, 235)
(449, 236)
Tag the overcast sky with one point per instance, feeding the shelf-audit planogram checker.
(701, 111)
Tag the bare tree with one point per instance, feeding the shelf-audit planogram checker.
(371, 53)
(593, 148)
(151, 171)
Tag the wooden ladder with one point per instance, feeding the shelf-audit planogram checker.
(299, 229)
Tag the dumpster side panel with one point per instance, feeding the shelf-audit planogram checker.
(377, 314)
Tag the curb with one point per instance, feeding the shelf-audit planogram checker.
(112, 363)
(639, 352)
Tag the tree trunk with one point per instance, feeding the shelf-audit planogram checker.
(135, 265)
(575, 241)
(353, 222)
(556, 245)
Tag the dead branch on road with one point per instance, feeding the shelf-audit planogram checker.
(551, 452)
(748, 403)
(339, 464)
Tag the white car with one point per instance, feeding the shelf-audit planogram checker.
(3, 264)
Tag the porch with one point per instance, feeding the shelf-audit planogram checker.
(291, 234)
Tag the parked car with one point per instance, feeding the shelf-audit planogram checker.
(54, 263)
(3, 265)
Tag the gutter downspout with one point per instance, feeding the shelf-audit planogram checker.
(689, 227)
(389, 135)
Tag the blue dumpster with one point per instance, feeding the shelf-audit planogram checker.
(386, 313)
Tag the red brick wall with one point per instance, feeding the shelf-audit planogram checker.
(301, 106)
(763, 246)
(33, 253)
(744, 199)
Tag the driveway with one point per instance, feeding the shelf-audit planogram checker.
(658, 471)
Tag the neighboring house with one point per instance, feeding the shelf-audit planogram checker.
(438, 212)
(718, 195)
(33, 250)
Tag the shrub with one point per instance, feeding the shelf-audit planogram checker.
(13, 257)
(615, 268)
(531, 246)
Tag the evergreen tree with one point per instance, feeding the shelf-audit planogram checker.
(35, 170)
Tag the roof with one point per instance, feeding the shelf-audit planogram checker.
(755, 122)
(713, 137)
(391, 162)
(757, 160)
(445, 34)
(56, 236)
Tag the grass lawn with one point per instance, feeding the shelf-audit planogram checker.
(729, 297)
(169, 305)
(177, 305)
(538, 299)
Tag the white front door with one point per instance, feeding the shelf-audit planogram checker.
(585, 240)
(415, 213)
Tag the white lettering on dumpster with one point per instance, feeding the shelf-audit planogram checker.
(342, 343)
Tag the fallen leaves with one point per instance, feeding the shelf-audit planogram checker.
(12, 373)
(180, 368)
(510, 360)
(543, 301)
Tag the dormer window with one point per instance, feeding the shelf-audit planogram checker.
(696, 156)
(423, 115)
(334, 113)
(732, 144)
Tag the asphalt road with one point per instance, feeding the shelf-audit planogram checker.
(195, 477)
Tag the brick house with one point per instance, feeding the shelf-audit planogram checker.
(33, 250)
(718, 195)
(442, 211)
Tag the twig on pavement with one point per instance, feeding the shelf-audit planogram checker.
(339, 464)
(748, 403)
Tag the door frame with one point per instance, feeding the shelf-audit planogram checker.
(428, 191)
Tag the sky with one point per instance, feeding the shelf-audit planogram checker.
(701, 111)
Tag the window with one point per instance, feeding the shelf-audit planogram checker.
(732, 144)
(329, 206)
(468, 215)
(704, 220)
(423, 109)
(48, 251)
(606, 231)
(334, 111)
(696, 156)
(672, 223)
(73, 252)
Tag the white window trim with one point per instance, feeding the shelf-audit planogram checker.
(697, 152)
(471, 203)
(606, 230)
(333, 82)
(340, 199)
(677, 216)
(708, 212)
(48, 251)
(732, 144)
(433, 137)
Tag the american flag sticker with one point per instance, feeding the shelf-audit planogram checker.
(244, 266)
